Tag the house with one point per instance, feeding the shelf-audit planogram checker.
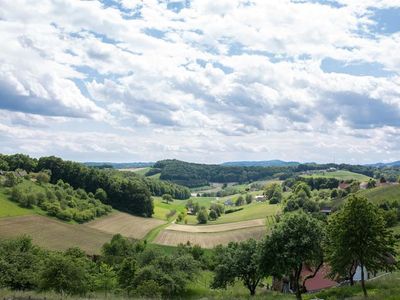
(326, 211)
(228, 202)
(320, 281)
(260, 198)
(343, 185)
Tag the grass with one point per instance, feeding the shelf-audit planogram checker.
(386, 287)
(249, 212)
(380, 194)
(341, 175)
(200, 289)
(11, 209)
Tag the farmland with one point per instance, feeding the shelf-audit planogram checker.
(209, 239)
(55, 235)
(340, 175)
(125, 224)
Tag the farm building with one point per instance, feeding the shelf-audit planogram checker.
(260, 198)
(229, 202)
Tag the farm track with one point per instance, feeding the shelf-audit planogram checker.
(209, 239)
(54, 235)
(125, 224)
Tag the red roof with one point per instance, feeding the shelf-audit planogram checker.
(320, 281)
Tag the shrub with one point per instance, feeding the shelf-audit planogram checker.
(202, 216)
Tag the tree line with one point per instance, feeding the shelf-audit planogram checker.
(127, 192)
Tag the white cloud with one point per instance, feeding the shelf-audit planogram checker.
(154, 82)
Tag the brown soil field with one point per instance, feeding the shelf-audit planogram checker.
(125, 224)
(54, 235)
(209, 239)
(217, 227)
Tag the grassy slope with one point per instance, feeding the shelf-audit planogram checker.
(382, 193)
(386, 287)
(341, 175)
(11, 209)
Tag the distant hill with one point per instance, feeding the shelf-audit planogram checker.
(127, 165)
(382, 165)
(261, 163)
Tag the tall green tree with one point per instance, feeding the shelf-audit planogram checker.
(357, 235)
(295, 242)
(19, 262)
(239, 261)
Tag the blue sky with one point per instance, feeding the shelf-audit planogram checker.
(201, 80)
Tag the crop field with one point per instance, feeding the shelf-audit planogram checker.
(217, 228)
(52, 234)
(209, 239)
(341, 175)
(125, 224)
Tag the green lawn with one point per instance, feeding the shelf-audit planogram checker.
(11, 209)
(341, 175)
(249, 212)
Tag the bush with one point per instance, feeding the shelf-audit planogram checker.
(212, 215)
(202, 216)
(229, 211)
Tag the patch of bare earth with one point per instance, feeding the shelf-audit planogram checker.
(125, 224)
(54, 235)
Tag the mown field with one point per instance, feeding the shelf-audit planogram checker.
(341, 175)
(52, 234)
(209, 239)
(125, 224)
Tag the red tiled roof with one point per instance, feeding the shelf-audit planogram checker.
(320, 281)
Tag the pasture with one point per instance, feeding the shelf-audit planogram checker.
(125, 224)
(54, 235)
(340, 175)
(11, 209)
(380, 194)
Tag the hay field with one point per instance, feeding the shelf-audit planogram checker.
(125, 224)
(209, 239)
(218, 227)
(54, 235)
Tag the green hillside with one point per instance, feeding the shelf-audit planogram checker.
(340, 175)
(11, 209)
(383, 193)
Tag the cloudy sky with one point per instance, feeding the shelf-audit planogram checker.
(201, 80)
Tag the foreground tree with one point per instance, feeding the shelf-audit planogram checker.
(238, 261)
(357, 236)
(295, 242)
(19, 262)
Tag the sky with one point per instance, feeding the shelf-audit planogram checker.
(201, 80)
